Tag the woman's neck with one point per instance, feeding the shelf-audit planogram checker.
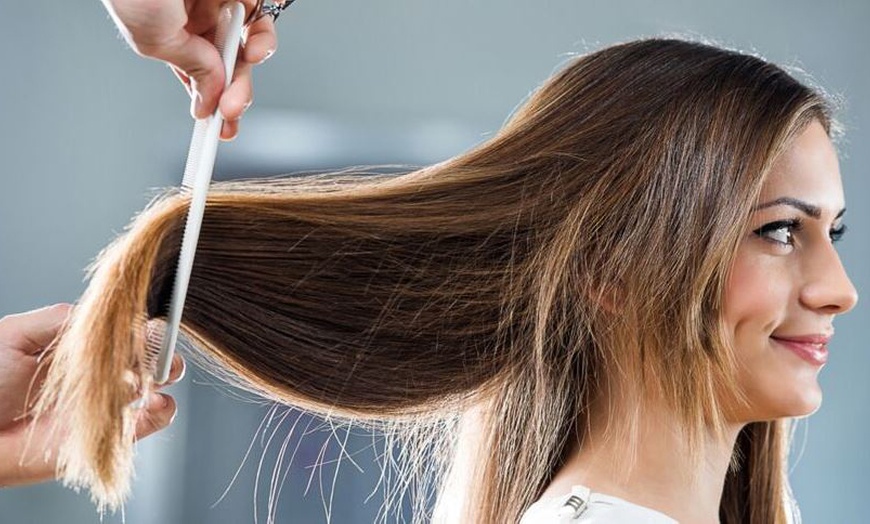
(662, 476)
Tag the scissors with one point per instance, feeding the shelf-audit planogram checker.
(263, 9)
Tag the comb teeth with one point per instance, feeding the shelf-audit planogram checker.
(193, 153)
(196, 180)
(223, 28)
(153, 339)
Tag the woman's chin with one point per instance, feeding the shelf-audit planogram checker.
(810, 408)
(801, 400)
(804, 400)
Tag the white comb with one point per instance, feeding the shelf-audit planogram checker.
(197, 178)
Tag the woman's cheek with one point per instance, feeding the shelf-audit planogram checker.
(755, 303)
(758, 293)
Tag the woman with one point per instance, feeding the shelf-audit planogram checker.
(627, 290)
(786, 285)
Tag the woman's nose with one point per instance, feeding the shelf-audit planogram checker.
(828, 287)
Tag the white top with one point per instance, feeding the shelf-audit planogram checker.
(583, 505)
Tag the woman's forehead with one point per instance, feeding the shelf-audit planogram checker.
(808, 170)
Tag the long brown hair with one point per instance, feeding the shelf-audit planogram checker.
(461, 306)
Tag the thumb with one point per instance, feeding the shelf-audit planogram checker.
(33, 331)
(200, 61)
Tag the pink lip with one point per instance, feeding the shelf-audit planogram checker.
(812, 348)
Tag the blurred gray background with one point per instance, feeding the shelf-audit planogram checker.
(90, 129)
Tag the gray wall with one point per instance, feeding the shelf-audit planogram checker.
(89, 129)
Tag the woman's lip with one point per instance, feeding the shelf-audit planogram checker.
(809, 339)
(813, 352)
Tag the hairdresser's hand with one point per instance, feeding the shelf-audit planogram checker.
(180, 33)
(23, 338)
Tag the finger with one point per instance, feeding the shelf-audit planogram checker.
(134, 394)
(250, 7)
(160, 410)
(261, 42)
(200, 61)
(183, 78)
(240, 94)
(176, 371)
(203, 16)
(34, 331)
(28, 461)
(203, 21)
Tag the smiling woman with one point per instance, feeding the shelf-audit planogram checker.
(788, 284)
(785, 287)
(595, 316)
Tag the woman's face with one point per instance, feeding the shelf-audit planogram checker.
(787, 283)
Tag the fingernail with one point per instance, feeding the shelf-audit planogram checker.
(269, 53)
(246, 106)
(196, 106)
(157, 400)
(225, 129)
(183, 370)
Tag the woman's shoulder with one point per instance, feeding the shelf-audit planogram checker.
(583, 505)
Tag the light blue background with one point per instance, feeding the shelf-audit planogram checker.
(88, 129)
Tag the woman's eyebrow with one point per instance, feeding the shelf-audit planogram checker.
(806, 207)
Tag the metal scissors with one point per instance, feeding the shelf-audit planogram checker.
(262, 9)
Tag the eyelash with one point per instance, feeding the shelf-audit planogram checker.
(791, 226)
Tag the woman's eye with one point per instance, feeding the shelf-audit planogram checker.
(781, 232)
(838, 232)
